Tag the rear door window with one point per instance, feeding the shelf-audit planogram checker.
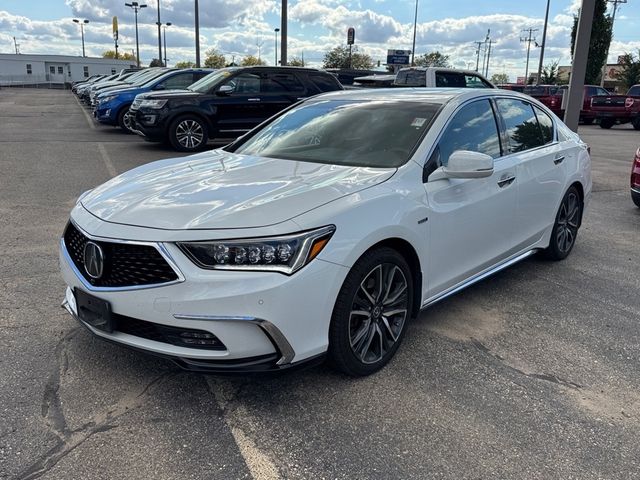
(546, 125)
(179, 81)
(412, 77)
(521, 123)
(450, 80)
(283, 83)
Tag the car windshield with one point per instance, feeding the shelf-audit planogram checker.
(151, 77)
(205, 84)
(380, 134)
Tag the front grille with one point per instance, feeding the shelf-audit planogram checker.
(180, 337)
(125, 265)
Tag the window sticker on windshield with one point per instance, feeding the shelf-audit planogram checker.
(418, 122)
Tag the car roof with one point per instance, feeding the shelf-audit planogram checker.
(420, 94)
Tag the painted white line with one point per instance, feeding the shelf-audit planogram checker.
(107, 161)
(86, 115)
(259, 464)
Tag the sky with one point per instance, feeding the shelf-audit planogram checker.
(246, 27)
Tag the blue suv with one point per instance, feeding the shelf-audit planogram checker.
(112, 106)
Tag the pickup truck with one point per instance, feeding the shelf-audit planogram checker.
(612, 109)
(426, 77)
(552, 97)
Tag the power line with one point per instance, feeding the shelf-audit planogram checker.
(528, 40)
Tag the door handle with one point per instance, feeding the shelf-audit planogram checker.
(559, 159)
(253, 99)
(506, 180)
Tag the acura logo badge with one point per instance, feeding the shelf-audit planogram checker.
(93, 260)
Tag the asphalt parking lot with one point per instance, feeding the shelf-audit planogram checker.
(532, 374)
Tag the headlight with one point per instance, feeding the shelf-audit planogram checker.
(152, 103)
(106, 99)
(285, 254)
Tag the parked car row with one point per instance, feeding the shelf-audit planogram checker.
(187, 108)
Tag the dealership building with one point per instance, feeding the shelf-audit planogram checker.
(32, 70)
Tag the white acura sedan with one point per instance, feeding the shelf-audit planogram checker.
(324, 230)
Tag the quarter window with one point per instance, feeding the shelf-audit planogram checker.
(546, 125)
(474, 129)
(522, 126)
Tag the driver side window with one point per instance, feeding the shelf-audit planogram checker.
(245, 83)
(473, 128)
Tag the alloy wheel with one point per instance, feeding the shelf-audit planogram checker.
(189, 134)
(567, 223)
(378, 312)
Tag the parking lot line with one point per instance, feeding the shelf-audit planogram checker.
(86, 115)
(107, 160)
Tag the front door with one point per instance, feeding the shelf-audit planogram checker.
(243, 108)
(472, 220)
(55, 72)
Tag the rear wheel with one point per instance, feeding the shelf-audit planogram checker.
(636, 123)
(188, 133)
(565, 228)
(371, 311)
(607, 123)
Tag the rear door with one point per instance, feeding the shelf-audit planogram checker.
(540, 167)
(281, 90)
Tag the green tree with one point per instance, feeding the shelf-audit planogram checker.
(155, 63)
(185, 64)
(295, 62)
(629, 75)
(599, 44)
(121, 56)
(214, 59)
(550, 74)
(252, 61)
(338, 57)
(433, 59)
(499, 78)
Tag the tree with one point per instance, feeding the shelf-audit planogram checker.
(600, 40)
(499, 78)
(121, 56)
(550, 74)
(155, 63)
(185, 64)
(251, 61)
(214, 59)
(433, 59)
(338, 57)
(629, 75)
(295, 62)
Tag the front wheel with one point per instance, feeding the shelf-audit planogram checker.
(636, 123)
(565, 228)
(188, 133)
(122, 123)
(371, 312)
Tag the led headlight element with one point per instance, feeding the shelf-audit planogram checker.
(284, 254)
(152, 103)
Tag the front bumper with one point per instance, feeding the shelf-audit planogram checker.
(267, 321)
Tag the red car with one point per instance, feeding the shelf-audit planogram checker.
(635, 179)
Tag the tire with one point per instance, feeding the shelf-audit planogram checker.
(188, 133)
(121, 123)
(607, 123)
(636, 123)
(126, 120)
(566, 225)
(587, 121)
(636, 198)
(361, 338)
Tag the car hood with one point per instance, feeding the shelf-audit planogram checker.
(168, 94)
(222, 190)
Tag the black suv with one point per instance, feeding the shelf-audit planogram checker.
(224, 104)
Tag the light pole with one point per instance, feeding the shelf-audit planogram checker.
(283, 36)
(136, 6)
(159, 46)
(415, 27)
(197, 25)
(276, 30)
(82, 24)
(164, 28)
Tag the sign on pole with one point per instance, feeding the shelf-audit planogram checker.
(115, 28)
(398, 57)
(351, 36)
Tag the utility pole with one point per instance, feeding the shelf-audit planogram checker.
(415, 27)
(613, 19)
(579, 65)
(16, 45)
(197, 20)
(164, 28)
(283, 36)
(259, 44)
(478, 44)
(544, 42)
(528, 39)
(486, 73)
(159, 37)
(484, 53)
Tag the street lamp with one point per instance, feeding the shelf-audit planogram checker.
(82, 24)
(276, 30)
(164, 30)
(136, 6)
(159, 47)
(415, 28)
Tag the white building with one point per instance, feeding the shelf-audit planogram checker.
(20, 69)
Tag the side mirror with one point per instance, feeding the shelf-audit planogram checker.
(224, 90)
(465, 164)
